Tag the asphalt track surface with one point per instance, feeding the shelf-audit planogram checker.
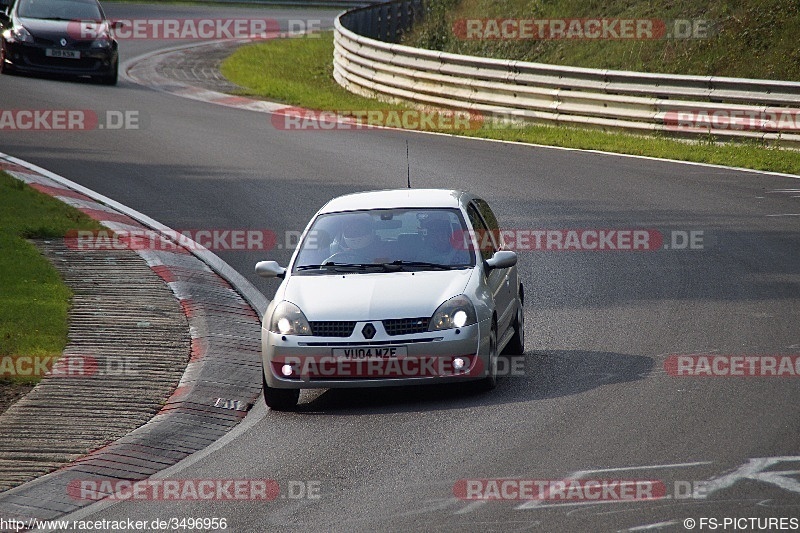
(600, 325)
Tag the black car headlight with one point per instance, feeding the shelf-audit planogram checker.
(288, 319)
(19, 34)
(102, 42)
(456, 312)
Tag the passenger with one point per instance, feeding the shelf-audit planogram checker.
(439, 246)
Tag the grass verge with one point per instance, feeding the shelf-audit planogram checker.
(742, 39)
(34, 301)
(299, 72)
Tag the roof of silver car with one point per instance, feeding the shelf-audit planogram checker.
(394, 199)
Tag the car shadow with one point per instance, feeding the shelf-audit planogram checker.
(53, 76)
(544, 375)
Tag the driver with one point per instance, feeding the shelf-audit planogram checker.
(359, 243)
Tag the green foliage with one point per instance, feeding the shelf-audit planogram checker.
(748, 38)
(34, 301)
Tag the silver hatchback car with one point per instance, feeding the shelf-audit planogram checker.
(386, 288)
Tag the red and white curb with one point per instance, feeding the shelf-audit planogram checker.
(143, 70)
(220, 382)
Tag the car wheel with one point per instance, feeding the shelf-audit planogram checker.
(4, 69)
(280, 399)
(516, 346)
(111, 79)
(490, 381)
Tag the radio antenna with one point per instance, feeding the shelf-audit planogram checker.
(408, 167)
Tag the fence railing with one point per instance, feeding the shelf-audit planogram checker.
(368, 61)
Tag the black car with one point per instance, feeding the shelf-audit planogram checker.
(70, 37)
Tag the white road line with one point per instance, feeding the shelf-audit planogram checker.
(471, 507)
(539, 504)
(648, 527)
(581, 473)
(576, 504)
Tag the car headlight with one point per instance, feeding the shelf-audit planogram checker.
(456, 312)
(21, 34)
(102, 42)
(288, 319)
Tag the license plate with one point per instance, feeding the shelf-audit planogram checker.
(370, 352)
(68, 54)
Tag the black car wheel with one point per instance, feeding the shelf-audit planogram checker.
(516, 346)
(280, 399)
(490, 381)
(4, 69)
(111, 79)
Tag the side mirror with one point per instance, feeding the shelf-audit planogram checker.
(116, 25)
(270, 269)
(502, 259)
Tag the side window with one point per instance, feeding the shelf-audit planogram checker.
(491, 221)
(485, 239)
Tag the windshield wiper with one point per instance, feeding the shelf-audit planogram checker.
(422, 264)
(394, 266)
(316, 267)
(342, 267)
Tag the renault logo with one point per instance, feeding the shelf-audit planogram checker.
(63, 42)
(368, 331)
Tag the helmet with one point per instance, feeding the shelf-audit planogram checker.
(358, 232)
(439, 235)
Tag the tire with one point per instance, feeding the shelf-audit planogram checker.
(490, 381)
(280, 399)
(516, 346)
(111, 79)
(4, 69)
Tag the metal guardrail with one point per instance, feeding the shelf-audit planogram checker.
(368, 61)
(385, 22)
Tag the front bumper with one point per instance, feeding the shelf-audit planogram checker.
(32, 58)
(428, 359)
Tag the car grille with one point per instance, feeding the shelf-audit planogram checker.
(337, 344)
(38, 59)
(332, 328)
(406, 326)
(43, 41)
(72, 44)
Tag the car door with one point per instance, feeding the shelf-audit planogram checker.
(498, 280)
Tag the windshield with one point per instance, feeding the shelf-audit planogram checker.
(392, 239)
(59, 9)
